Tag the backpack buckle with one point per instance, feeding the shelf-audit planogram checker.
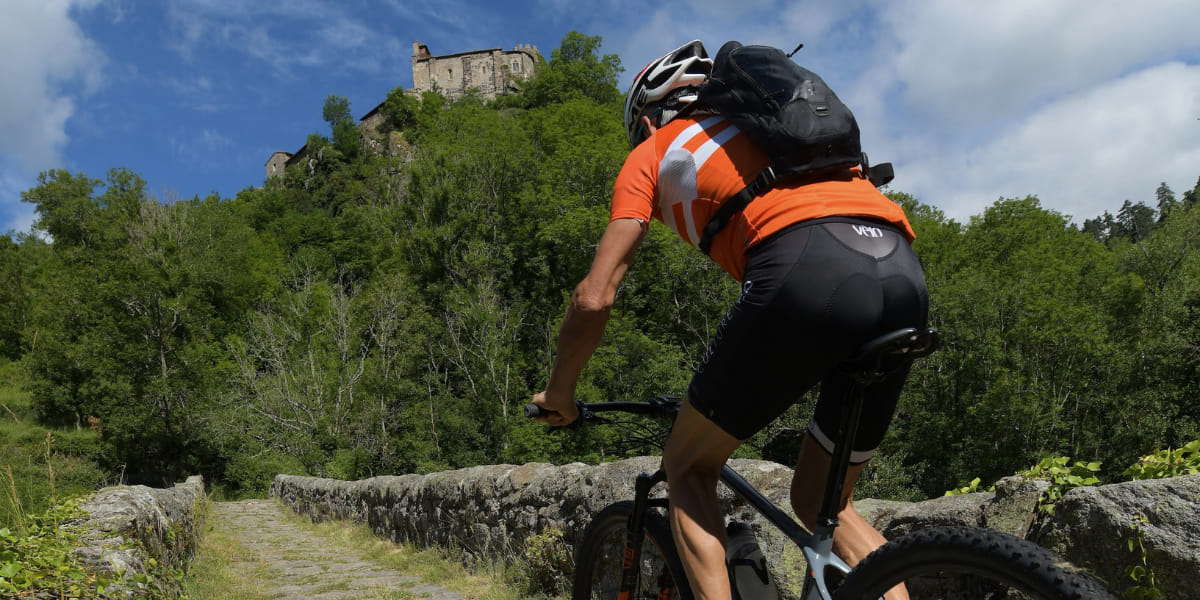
(763, 182)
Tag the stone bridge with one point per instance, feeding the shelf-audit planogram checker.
(535, 513)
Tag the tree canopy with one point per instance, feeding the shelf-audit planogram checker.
(389, 305)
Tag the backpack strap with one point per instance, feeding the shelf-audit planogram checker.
(762, 182)
(879, 175)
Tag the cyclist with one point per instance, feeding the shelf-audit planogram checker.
(825, 266)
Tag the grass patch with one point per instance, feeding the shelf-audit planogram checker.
(224, 568)
(39, 465)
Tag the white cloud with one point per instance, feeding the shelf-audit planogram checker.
(965, 63)
(1081, 155)
(48, 66)
(45, 56)
(770, 22)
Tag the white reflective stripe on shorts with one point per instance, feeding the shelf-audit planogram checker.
(856, 456)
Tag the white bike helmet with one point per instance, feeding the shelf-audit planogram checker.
(669, 81)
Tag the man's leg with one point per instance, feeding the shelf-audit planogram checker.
(693, 458)
(854, 537)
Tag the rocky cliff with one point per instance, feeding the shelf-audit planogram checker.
(536, 513)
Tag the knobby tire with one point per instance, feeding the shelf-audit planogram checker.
(963, 562)
(599, 555)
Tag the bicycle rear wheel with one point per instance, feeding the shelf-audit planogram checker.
(600, 553)
(963, 562)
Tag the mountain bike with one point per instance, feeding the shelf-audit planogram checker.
(613, 559)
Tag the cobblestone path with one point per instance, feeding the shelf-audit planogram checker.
(293, 563)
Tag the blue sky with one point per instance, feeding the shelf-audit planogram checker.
(1084, 103)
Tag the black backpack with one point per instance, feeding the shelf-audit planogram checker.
(791, 114)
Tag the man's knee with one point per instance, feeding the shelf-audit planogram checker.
(697, 449)
(684, 463)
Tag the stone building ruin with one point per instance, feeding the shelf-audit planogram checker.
(486, 73)
(489, 72)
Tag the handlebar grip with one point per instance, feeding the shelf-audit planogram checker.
(532, 411)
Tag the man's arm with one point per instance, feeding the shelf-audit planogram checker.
(587, 315)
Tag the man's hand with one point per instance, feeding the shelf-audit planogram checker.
(564, 412)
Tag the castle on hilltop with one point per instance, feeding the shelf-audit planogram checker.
(488, 73)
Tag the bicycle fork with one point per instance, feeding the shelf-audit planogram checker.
(635, 535)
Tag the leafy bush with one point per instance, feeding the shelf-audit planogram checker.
(1167, 463)
(41, 559)
(1063, 477)
(253, 475)
(548, 558)
(1144, 585)
(970, 488)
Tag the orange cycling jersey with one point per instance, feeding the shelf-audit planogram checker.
(683, 173)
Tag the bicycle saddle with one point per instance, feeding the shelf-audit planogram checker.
(908, 344)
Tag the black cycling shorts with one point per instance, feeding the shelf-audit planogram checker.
(812, 294)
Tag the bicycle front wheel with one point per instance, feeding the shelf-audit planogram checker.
(964, 562)
(601, 552)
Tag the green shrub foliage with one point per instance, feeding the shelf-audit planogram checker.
(390, 312)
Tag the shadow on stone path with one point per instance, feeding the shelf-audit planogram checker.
(295, 564)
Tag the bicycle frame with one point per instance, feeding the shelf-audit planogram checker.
(817, 546)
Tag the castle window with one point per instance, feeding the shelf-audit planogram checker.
(516, 66)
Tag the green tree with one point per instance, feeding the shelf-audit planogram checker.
(1191, 196)
(126, 327)
(66, 209)
(14, 300)
(69, 309)
(1025, 346)
(343, 127)
(1166, 201)
(298, 366)
(576, 69)
(1135, 221)
(1160, 371)
(401, 109)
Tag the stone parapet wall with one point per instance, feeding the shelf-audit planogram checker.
(126, 526)
(494, 511)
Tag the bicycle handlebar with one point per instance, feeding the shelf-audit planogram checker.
(662, 406)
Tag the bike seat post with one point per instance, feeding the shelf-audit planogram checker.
(835, 483)
(869, 364)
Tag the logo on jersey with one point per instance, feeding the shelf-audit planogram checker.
(868, 231)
